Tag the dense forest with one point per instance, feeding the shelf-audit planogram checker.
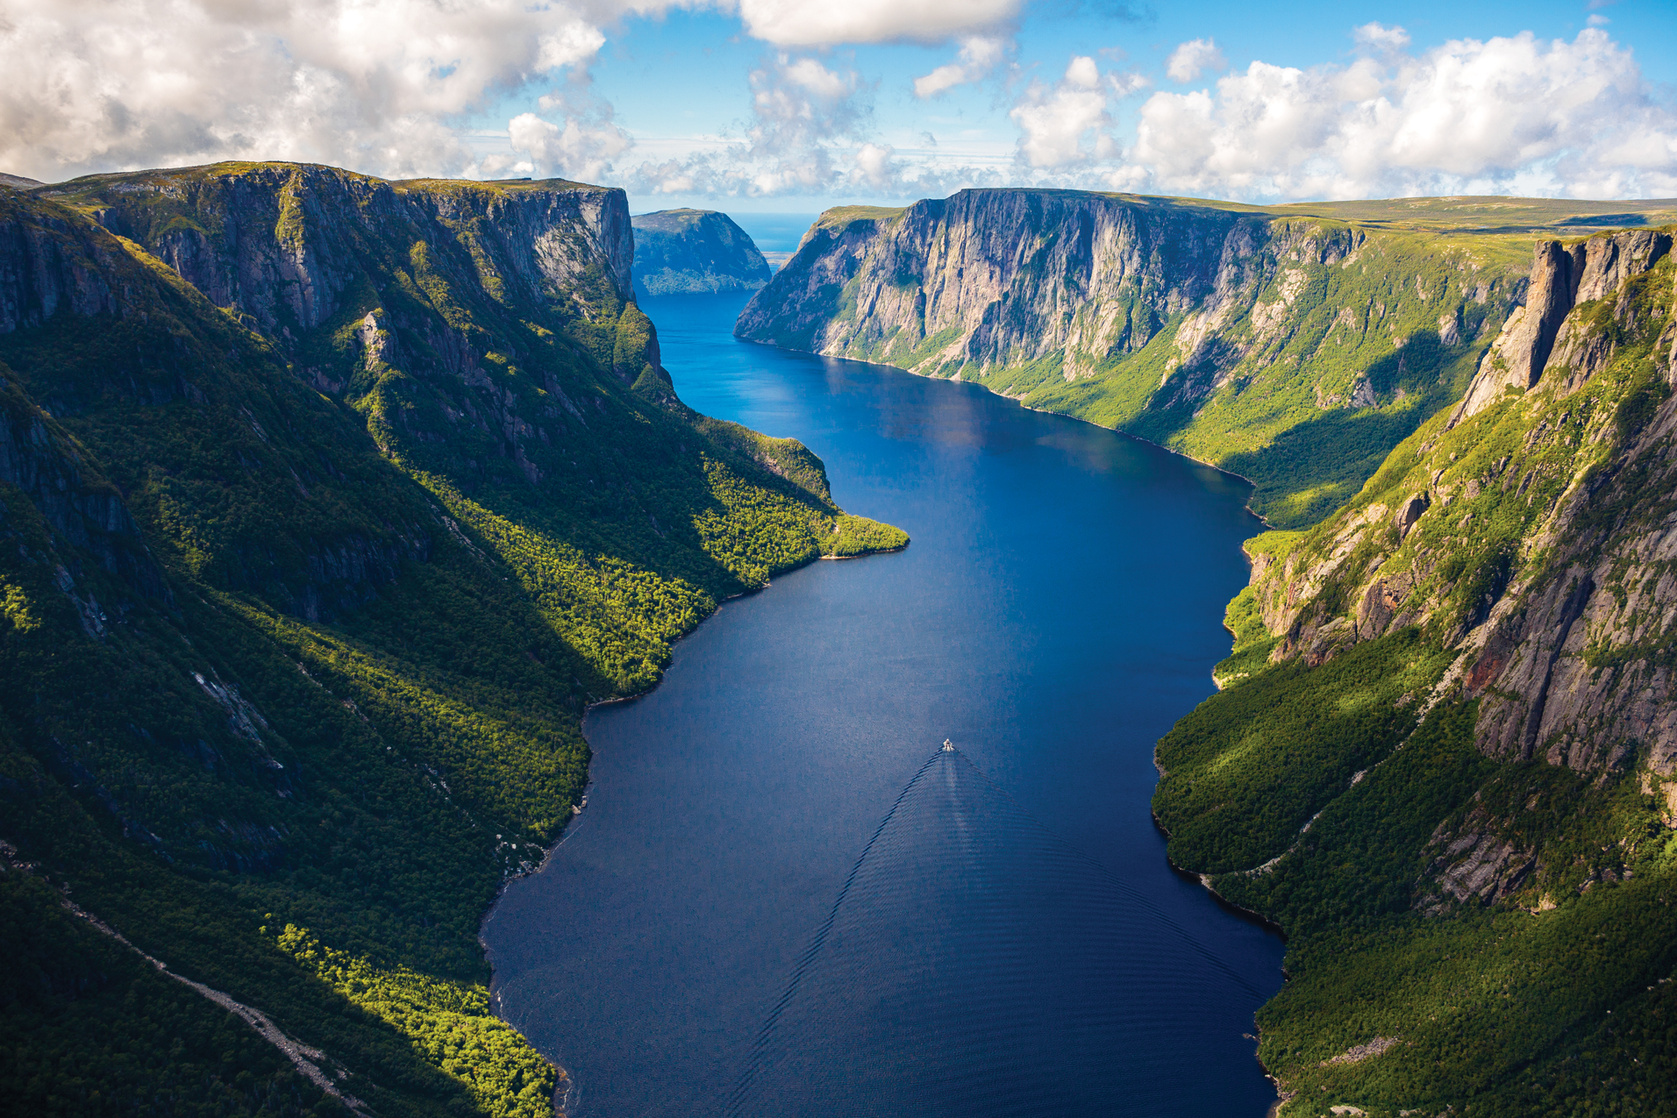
(327, 504)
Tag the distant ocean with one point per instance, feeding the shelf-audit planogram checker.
(776, 235)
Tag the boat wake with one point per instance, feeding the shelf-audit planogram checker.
(975, 963)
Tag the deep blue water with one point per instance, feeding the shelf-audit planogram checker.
(784, 899)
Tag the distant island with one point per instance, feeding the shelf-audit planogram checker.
(694, 252)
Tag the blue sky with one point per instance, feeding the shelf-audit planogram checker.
(791, 105)
(706, 58)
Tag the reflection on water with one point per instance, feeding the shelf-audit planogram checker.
(1058, 609)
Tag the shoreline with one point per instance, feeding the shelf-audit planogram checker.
(1020, 401)
(1251, 916)
(567, 1082)
(1203, 880)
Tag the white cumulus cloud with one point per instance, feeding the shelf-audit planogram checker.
(1380, 38)
(374, 84)
(580, 148)
(873, 165)
(980, 54)
(806, 134)
(810, 23)
(1194, 58)
(1514, 113)
(1067, 123)
(812, 77)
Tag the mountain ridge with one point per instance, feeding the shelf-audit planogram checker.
(1441, 758)
(310, 574)
(1281, 343)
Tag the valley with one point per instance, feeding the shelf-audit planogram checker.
(331, 505)
(1439, 757)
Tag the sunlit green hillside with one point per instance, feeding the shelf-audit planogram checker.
(327, 505)
(1295, 345)
(1440, 762)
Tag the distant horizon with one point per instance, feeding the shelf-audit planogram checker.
(641, 206)
(794, 207)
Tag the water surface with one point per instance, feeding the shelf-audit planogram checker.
(774, 232)
(785, 899)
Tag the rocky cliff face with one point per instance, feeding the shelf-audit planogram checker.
(1224, 332)
(40, 462)
(1531, 529)
(354, 279)
(57, 269)
(43, 266)
(326, 507)
(1561, 278)
(1002, 278)
(1444, 758)
(285, 243)
(691, 252)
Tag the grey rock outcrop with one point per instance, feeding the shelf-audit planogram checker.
(1567, 649)
(83, 509)
(1478, 864)
(1561, 279)
(44, 267)
(1004, 277)
(281, 242)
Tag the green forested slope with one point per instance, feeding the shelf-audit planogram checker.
(308, 568)
(1444, 760)
(1294, 345)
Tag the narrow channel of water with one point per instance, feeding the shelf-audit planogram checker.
(784, 899)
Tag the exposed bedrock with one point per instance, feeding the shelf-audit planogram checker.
(1295, 350)
(1541, 541)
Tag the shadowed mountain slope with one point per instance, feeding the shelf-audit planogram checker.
(328, 504)
(687, 252)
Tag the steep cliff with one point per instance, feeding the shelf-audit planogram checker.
(690, 252)
(1445, 758)
(1290, 346)
(1526, 529)
(327, 506)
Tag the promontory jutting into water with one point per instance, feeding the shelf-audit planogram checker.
(784, 898)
